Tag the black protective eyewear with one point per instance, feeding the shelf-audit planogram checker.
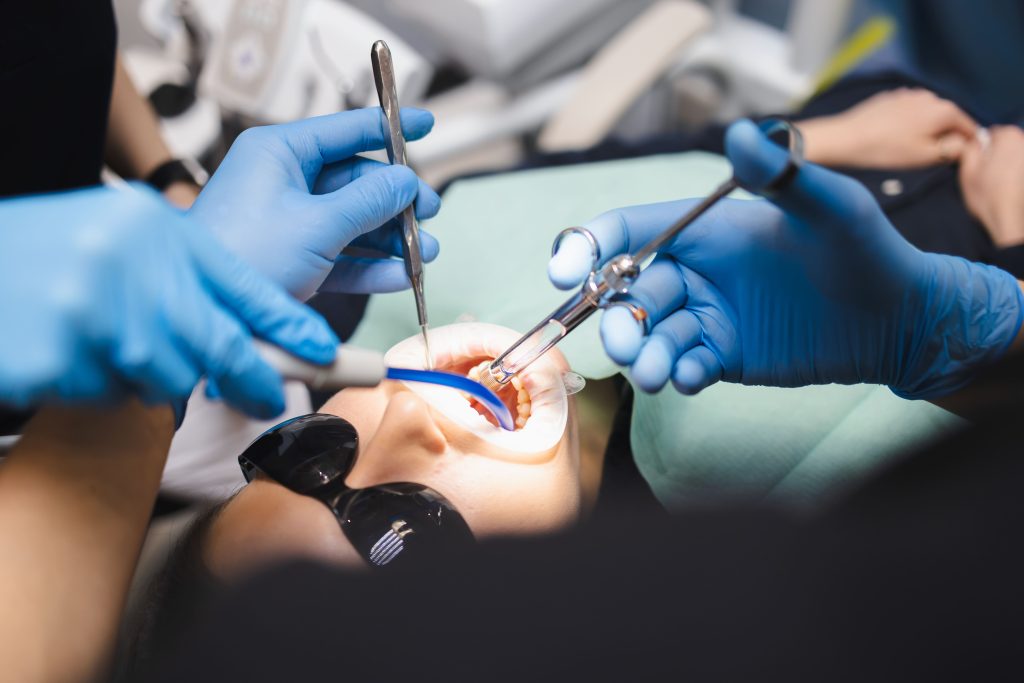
(312, 454)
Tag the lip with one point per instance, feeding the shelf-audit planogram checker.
(457, 348)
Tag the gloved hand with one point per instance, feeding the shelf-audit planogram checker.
(812, 288)
(113, 292)
(289, 198)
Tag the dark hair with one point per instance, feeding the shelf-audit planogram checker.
(171, 601)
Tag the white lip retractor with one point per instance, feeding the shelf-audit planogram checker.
(549, 412)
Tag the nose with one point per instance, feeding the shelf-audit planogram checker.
(406, 446)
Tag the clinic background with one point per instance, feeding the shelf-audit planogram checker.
(511, 80)
(506, 78)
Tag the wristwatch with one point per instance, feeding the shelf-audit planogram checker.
(177, 171)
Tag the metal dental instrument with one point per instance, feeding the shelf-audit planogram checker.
(384, 77)
(605, 283)
(354, 367)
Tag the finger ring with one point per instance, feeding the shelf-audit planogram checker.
(595, 248)
(639, 314)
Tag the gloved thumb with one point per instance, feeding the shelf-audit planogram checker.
(570, 265)
(757, 162)
(813, 194)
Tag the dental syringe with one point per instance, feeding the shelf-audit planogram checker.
(598, 289)
(615, 277)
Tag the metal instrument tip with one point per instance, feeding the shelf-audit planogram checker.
(426, 349)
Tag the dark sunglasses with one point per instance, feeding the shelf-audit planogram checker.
(312, 454)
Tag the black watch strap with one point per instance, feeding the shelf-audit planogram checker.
(170, 172)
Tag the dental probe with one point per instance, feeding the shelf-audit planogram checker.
(615, 277)
(354, 367)
(394, 139)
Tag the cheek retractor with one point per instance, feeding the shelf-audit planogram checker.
(354, 367)
(465, 344)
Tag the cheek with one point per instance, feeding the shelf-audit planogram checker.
(364, 408)
(502, 498)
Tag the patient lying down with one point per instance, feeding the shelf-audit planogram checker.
(500, 482)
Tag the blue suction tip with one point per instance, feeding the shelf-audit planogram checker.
(486, 397)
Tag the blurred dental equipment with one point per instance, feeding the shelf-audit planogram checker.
(384, 78)
(503, 77)
(279, 60)
(615, 277)
(354, 367)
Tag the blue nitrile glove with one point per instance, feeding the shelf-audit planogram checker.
(106, 293)
(813, 287)
(289, 198)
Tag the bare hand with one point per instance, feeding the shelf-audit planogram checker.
(903, 128)
(992, 181)
(181, 194)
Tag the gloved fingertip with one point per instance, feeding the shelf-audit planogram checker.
(416, 122)
(429, 246)
(756, 160)
(396, 187)
(403, 176)
(381, 277)
(320, 351)
(275, 408)
(313, 340)
(428, 202)
(571, 263)
(265, 410)
(690, 376)
(688, 384)
(212, 390)
(653, 366)
(621, 335)
(649, 380)
(561, 272)
(264, 396)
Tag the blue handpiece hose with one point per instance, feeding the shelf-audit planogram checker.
(448, 379)
(353, 367)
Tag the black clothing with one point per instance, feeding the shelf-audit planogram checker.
(916, 576)
(56, 74)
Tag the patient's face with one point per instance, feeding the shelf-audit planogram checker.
(502, 483)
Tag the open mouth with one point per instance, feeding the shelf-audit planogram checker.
(536, 399)
(513, 394)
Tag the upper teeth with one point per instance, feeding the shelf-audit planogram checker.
(523, 404)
